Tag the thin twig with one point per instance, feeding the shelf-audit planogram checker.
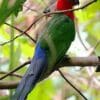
(81, 41)
(57, 12)
(91, 51)
(70, 10)
(28, 8)
(98, 42)
(23, 32)
(79, 36)
(12, 74)
(71, 84)
(14, 70)
(35, 21)
(4, 43)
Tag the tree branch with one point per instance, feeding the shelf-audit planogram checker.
(80, 61)
(71, 84)
(16, 69)
(73, 61)
(22, 33)
(12, 74)
(8, 85)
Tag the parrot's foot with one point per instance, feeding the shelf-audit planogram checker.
(62, 60)
(98, 67)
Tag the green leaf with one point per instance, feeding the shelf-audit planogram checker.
(8, 7)
(88, 12)
(43, 91)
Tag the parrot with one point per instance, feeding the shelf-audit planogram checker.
(51, 46)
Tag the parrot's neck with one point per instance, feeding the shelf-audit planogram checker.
(64, 5)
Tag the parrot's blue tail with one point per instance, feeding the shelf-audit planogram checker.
(33, 74)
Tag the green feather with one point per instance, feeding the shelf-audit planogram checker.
(57, 38)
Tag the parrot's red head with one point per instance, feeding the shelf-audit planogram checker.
(67, 4)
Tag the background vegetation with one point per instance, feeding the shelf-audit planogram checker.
(21, 13)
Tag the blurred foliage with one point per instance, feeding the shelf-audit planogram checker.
(89, 12)
(8, 7)
(91, 16)
(53, 88)
(43, 90)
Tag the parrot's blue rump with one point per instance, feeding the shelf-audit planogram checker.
(33, 74)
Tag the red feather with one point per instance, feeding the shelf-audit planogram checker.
(64, 5)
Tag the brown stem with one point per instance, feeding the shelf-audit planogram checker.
(12, 74)
(71, 84)
(8, 85)
(14, 70)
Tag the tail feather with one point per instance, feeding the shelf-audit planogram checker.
(32, 76)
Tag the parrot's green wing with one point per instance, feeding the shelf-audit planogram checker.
(57, 38)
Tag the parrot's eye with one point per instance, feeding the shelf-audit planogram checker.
(76, 2)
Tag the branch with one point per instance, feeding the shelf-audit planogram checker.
(12, 74)
(73, 61)
(16, 69)
(71, 84)
(4, 43)
(8, 85)
(79, 35)
(70, 10)
(98, 43)
(79, 61)
(22, 33)
(28, 8)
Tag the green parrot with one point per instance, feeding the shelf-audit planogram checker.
(51, 47)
